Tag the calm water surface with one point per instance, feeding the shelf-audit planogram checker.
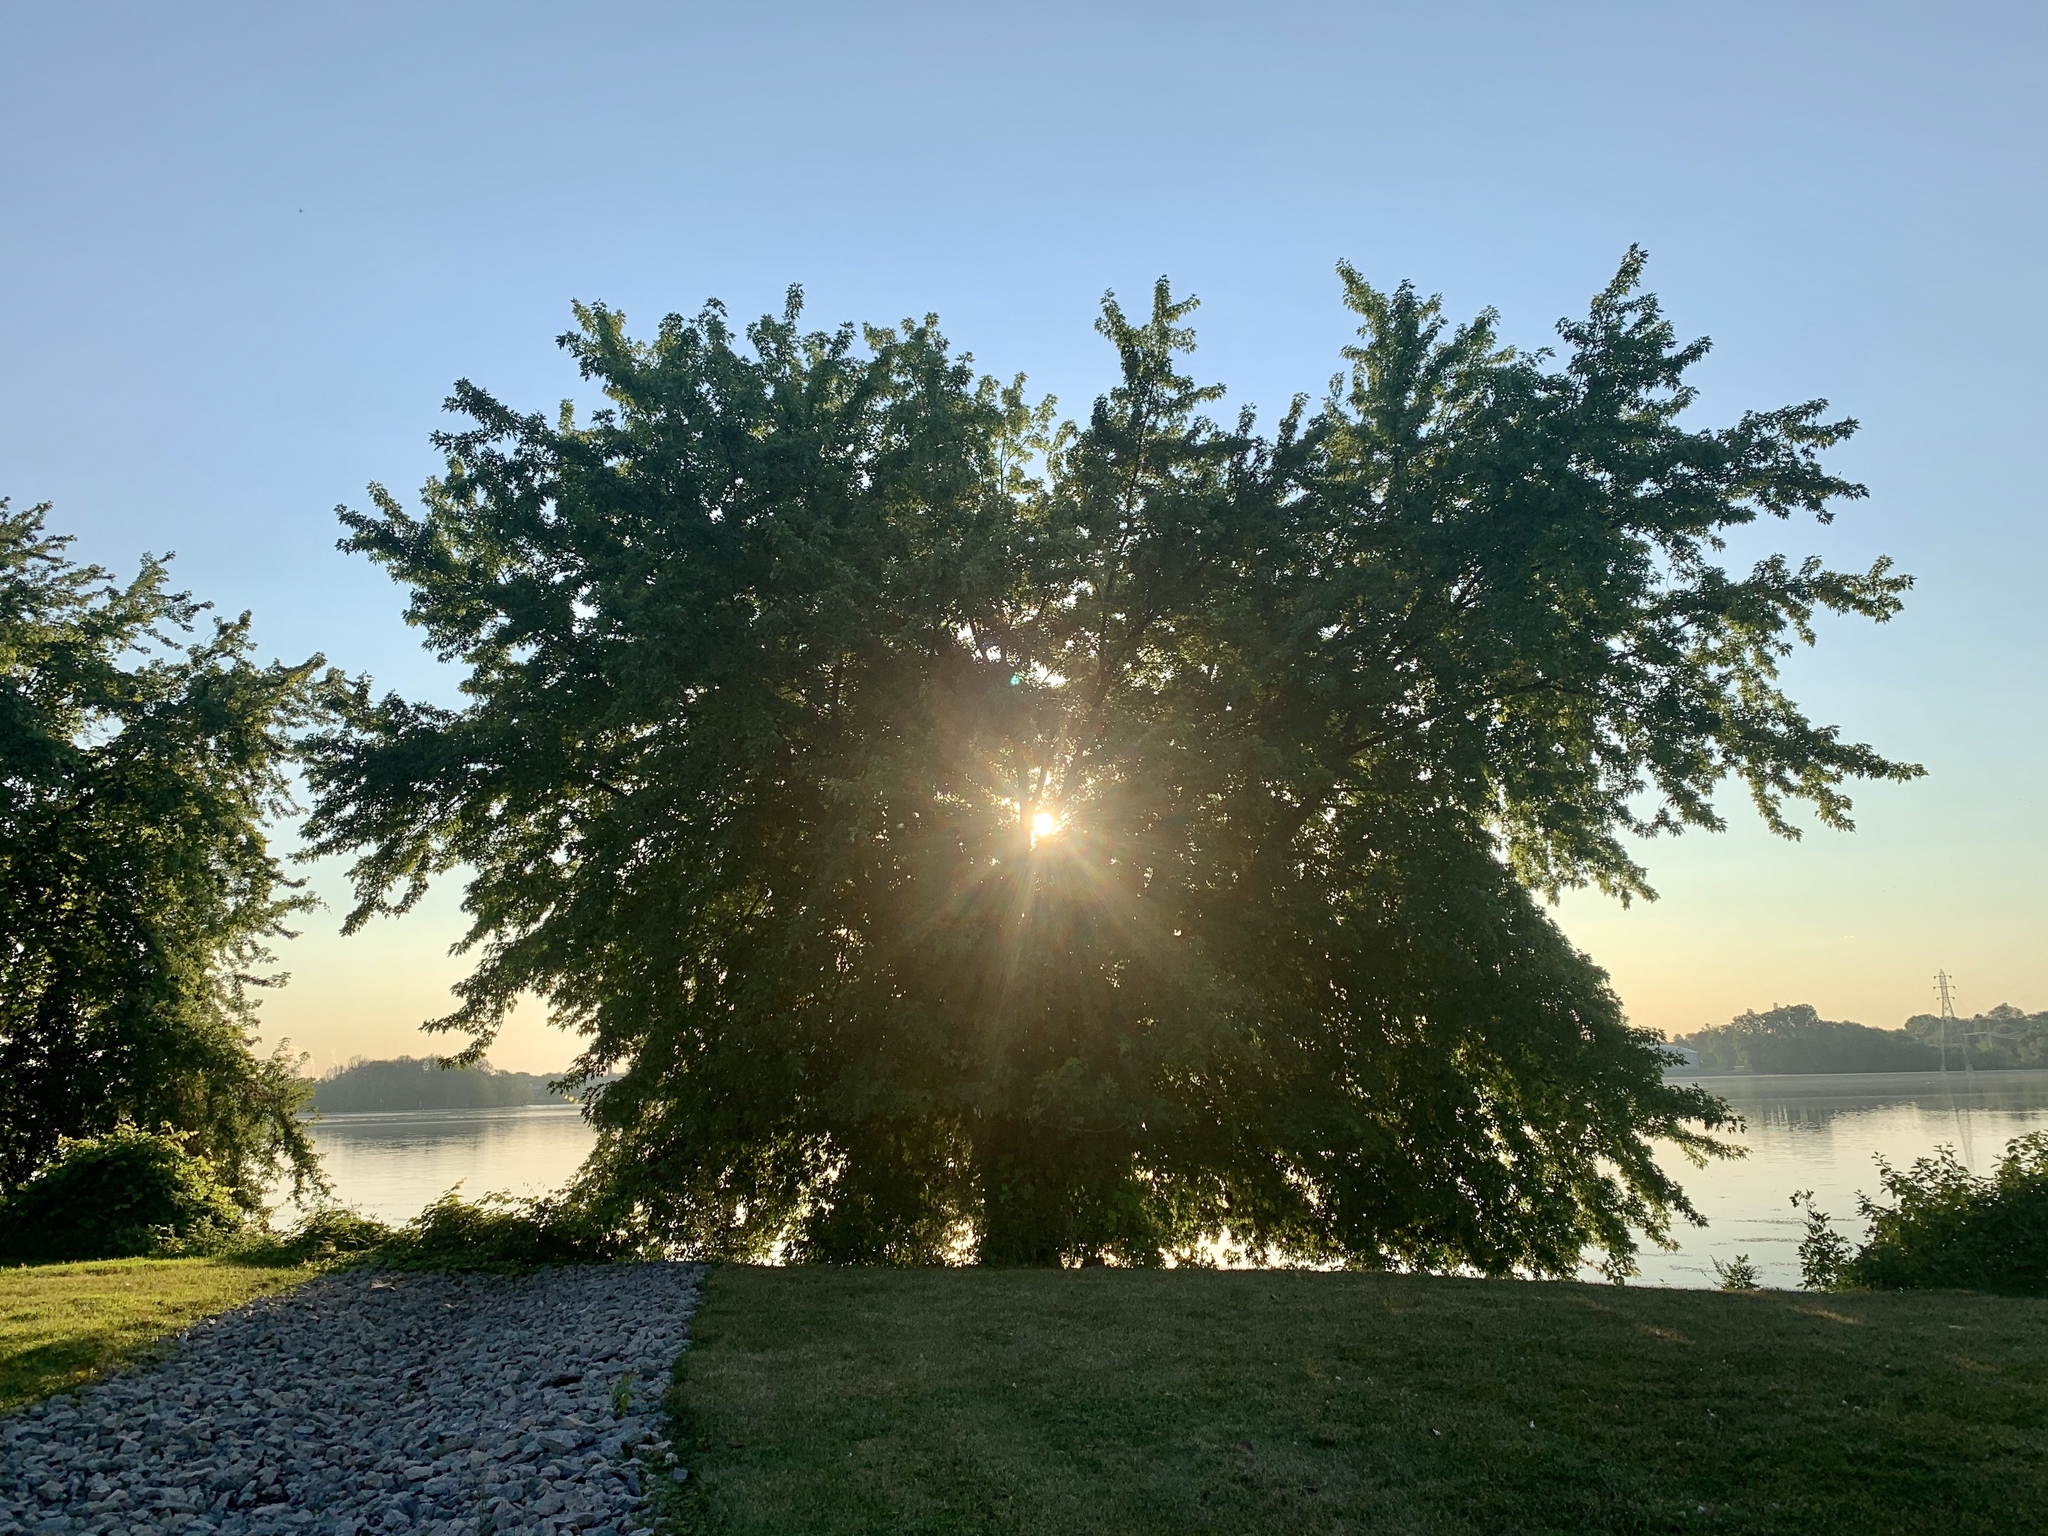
(1822, 1133)
(393, 1166)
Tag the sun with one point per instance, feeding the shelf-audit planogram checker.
(1043, 824)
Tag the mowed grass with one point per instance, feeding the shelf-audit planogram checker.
(63, 1324)
(845, 1400)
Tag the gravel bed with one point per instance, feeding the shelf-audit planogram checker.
(367, 1402)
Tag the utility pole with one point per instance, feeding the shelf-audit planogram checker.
(1944, 988)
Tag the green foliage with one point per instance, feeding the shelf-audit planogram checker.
(975, 837)
(1945, 1228)
(410, 1082)
(1738, 1274)
(499, 1233)
(137, 890)
(326, 1235)
(128, 1194)
(2004, 1039)
(1822, 1251)
(1798, 1039)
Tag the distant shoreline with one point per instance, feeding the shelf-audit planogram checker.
(314, 1112)
(423, 1083)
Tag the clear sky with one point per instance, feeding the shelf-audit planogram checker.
(245, 250)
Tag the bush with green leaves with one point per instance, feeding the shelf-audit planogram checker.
(127, 1194)
(327, 1235)
(332, 1232)
(1738, 1274)
(1945, 1228)
(501, 1233)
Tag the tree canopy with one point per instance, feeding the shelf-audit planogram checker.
(971, 835)
(137, 888)
(2006, 1038)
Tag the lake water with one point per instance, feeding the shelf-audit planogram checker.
(393, 1166)
(1817, 1132)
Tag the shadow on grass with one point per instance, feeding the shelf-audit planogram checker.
(844, 1401)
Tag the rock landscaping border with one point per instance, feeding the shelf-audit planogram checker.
(369, 1403)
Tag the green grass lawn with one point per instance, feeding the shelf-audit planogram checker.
(843, 1400)
(63, 1324)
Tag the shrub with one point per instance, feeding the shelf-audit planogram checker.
(1738, 1274)
(336, 1233)
(501, 1233)
(126, 1194)
(1823, 1251)
(328, 1235)
(1945, 1228)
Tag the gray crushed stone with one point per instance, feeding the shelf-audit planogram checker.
(364, 1403)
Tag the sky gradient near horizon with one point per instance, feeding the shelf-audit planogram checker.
(245, 250)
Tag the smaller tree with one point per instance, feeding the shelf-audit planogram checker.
(138, 891)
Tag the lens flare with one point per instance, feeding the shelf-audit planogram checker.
(1043, 824)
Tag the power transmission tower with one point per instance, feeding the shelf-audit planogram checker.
(1944, 988)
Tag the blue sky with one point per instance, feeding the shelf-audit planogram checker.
(245, 250)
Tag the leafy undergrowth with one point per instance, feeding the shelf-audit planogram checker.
(1943, 1226)
(845, 1400)
(501, 1234)
(63, 1324)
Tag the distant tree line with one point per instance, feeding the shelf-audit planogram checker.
(2005, 1037)
(1797, 1039)
(421, 1082)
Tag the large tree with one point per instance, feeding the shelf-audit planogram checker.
(967, 836)
(138, 892)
